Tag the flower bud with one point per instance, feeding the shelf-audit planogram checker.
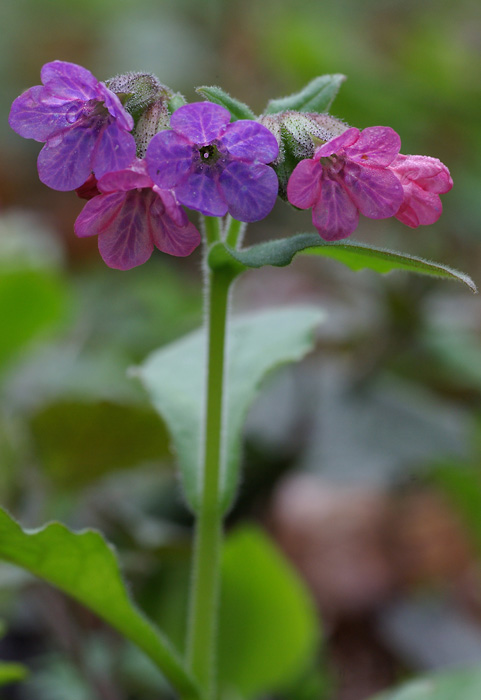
(298, 135)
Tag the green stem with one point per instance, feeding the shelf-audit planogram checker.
(205, 583)
(234, 231)
(211, 226)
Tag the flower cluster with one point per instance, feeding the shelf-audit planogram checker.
(139, 154)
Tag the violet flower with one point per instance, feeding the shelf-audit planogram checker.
(131, 215)
(423, 179)
(213, 166)
(82, 122)
(348, 175)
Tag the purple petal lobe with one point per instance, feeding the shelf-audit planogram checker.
(115, 150)
(347, 138)
(115, 108)
(199, 122)
(69, 81)
(64, 161)
(169, 159)
(377, 145)
(377, 192)
(335, 216)
(172, 208)
(33, 117)
(250, 141)
(167, 234)
(99, 214)
(127, 241)
(249, 189)
(201, 192)
(304, 186)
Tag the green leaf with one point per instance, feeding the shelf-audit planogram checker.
(355, 255)
(174, 377)
(464, 684)
(238, 109)
(268, 631)
(12, 673)
(85, 567)
(316, 96)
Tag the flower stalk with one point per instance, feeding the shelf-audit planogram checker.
(205, 579)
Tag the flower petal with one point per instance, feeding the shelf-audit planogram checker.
(200, 191)
(304, 186)
(127, 241)
(34, 117)
(169, 159)
(124, 180)
(200, 122)
(167, 234)
(69, 81)
(99, 214)
(114, 150)
(172, 208)
(64, 161)
(419, 207)
(334, 215)
(115, 108)
(429, 173)
(250, 141)
(377, 145)
(347, 138)
(249, 189)
(377, 192)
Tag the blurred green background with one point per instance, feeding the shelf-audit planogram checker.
(363, 463)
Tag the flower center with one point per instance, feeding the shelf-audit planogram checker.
(85, 110)
(209, 154)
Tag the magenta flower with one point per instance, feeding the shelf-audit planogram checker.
(131, 216)
(423, 179)
(348, 175)
(82, 122)
(213, 166)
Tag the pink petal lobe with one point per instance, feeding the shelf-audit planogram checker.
(304, 186)
(123, 180)
(419, 207)
(335, 216)
(376, 192)
(167, 234)
(127, 241)
(98, 214)
(347, 138)
(200, 122)
(377, 145)
(429, 173)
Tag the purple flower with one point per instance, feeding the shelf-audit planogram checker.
(348, 175)
(423, 179)
(82, 122)
(131, 216)
(213, 166)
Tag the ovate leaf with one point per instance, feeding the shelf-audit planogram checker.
(464, 684)
(85, 567)
(353, 254)
(317, 96)
(237, 109)
(268, 624)
(175, 379)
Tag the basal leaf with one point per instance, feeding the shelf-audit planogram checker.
(462, 684)
(174, 377)
(238, 109)
(316, 96)
(268, 629)
(354, 254)
(85, 567)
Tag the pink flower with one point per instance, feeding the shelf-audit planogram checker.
(131, 215)
(348, 175)
(423, 179)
